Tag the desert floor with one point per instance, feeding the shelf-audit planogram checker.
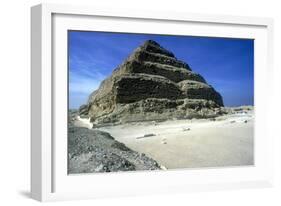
(226, 141)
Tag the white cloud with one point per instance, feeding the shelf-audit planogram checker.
(83, 84)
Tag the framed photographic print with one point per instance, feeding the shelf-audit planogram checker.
(137, 102)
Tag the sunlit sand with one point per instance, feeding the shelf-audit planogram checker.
(224, 141)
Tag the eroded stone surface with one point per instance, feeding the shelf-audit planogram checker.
(152, 84)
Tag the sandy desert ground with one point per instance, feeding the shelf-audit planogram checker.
(224, 141)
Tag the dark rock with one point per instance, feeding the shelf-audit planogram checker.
(198, 90)
(154, 47)
(136, 87)
(83, 110)
(96, 151)
(146, 135)
(149, 135)
(186, 129)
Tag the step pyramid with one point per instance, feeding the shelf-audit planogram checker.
(152, 84)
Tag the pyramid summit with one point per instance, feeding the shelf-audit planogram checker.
(152, 84)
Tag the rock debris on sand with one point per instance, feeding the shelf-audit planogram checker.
(96, 151)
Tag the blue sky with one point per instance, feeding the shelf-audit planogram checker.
(226, 64)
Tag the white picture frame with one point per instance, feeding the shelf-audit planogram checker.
(49, 179)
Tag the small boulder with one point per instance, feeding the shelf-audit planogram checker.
(186, 129)
(149, 135)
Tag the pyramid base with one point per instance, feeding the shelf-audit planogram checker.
(153, 109)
